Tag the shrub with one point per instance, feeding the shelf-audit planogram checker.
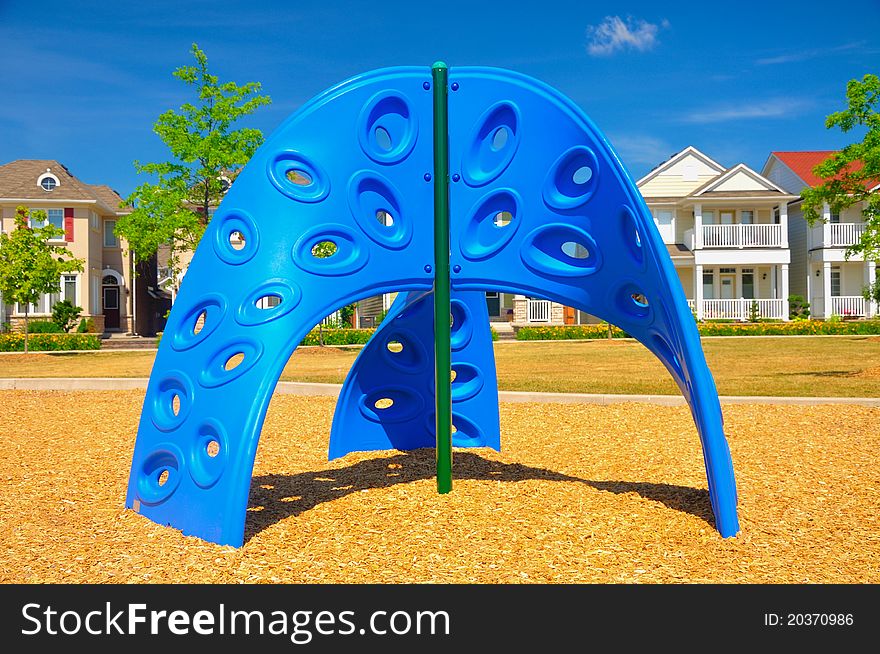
(493, 332)
(798, 307)
(49, 342)
(86, 325)
(568, 332)
(43, 327)
(802, 327)
(754, 311)
(339, 337)
(65, 314)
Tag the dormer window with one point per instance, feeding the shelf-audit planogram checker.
(47, 181)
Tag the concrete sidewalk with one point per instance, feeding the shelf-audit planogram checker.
(332, 390)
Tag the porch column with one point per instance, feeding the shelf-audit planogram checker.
(783, 222)
(826, 288)
(783, 269)
(826, 231)
(698, 291)
(738, 288)
(871, 274)
(698, 229)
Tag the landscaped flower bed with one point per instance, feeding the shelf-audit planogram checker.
(14, 342)
(795, 327)
(338, 337)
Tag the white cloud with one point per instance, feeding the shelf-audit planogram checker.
(614, 34)
(803, 55)
(773, 108)
(641, 149)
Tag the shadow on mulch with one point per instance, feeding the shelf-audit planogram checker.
(274, 498)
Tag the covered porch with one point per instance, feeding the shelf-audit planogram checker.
(736, 292)
(836, 289)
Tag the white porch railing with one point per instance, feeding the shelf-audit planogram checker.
(539, 310)
(836, 235)
(742, 236)
(739, 309)
(693, 305)
(333, 320)
(849, 306)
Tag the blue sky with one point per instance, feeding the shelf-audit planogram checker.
(83, 82)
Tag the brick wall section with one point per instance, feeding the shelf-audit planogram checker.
(520, 310)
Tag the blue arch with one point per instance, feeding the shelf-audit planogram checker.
(362, 147)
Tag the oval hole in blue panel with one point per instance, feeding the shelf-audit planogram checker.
(230, 362)
(198, 322)
(351, 253)
(387, 127)
(491, 224)
(572, 179)
(391, 404)
(562, 250)
(491, 144)
(159, 474)
(209, 453)
(298, 177)
(462, 326)
(379, 211)
(468, 381)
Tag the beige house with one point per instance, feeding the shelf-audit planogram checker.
(831, 281)
(727, 235)
(106, 289)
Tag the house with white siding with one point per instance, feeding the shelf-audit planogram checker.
(821, 271)
(727, 234)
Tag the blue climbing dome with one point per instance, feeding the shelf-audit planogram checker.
(540, 205)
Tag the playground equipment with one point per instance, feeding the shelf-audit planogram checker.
(440, 187)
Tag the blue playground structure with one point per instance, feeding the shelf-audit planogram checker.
(437, 183)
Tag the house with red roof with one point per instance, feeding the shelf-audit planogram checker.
(821, 271)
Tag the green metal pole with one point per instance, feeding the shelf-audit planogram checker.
(442, 326)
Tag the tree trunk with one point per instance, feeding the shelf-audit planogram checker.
(321, 333)
(26, 306)
(610, 335)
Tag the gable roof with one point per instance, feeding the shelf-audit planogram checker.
(766, 187)
(802, 164)
(110, 197)
(18, 180)
(674, 159)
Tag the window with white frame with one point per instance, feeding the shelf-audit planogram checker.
(708, 217)
(835, 282)
(110, 240)
(47, 181)
(748, 283)
(776, 215)
(93, 220)
(835, 217)
(708, 283)
(67, 290)
(54, 217)
(746, 217)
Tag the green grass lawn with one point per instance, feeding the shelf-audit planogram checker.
(842, 366)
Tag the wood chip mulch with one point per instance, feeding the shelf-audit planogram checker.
(581, 493)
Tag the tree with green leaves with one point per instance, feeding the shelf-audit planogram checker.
(852, 175)
(206, 153)
(30, 265)
(65, 314)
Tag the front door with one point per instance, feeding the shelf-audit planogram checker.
(493, 303)
(727, 283)
(111, 307)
